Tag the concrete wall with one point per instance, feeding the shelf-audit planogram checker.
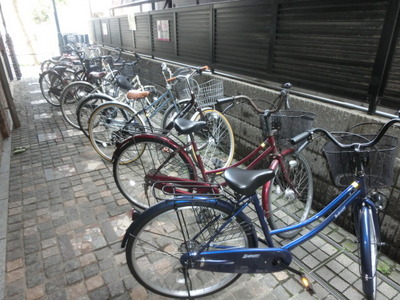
(246, 126)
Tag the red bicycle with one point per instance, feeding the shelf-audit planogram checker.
(148, 166)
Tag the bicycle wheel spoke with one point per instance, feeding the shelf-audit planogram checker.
(174, 231)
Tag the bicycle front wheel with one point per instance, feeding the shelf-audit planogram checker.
(368, 252)
(216, 141)
(70, 98)
(140, 157)
(290, 194)
(165, 232)
(111, 123)
(86, 107)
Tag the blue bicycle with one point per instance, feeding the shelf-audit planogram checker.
(196, 245)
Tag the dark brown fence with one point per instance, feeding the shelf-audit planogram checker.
(344, 48)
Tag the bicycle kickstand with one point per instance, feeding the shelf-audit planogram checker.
(305, 282)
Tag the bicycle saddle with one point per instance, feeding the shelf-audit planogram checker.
(184, 126)
(97, 75)
(136, 94)
(246, 182)
(123, 82)
(59, 69)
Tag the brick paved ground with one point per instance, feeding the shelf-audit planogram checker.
(63, 218)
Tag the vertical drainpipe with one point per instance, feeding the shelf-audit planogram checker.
(384, 56)
(60, 41)
(11, 50)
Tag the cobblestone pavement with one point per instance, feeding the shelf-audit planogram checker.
(63, 219)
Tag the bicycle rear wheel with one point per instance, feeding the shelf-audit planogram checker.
(162, 234)
(142, 156)
(111, 123)
(51, 86)
(368, 252)
(289, 200)
(70, 98)
(216, 142)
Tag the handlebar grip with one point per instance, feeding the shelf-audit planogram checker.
(224, 100)
(201, 69)
(300, 137)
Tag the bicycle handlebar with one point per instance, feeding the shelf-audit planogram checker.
(284, 99)
(309, 135)
(239, 97)
(181, 77)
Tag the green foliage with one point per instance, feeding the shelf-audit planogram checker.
(43, 9)
(41, 13)
(384, 268)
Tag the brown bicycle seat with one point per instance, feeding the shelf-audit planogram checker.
(136, 94)
(97, 75)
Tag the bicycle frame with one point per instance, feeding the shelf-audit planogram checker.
(267, 148)
(167, 95)
(351, 196)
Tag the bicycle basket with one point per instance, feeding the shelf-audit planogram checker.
(128, 71)
(93, 65)
(207, 93)
(378, 160)
(287, 124)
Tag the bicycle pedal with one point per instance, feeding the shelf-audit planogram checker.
(305, 282)
(218, 164)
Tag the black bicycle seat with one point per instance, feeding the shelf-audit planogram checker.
(246, 182)
(123, 82)
(184, 126)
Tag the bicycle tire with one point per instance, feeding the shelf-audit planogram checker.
(166, 231)
(285, 207)
(51, 86)
(70, 98)
(86, 107)
(108, 126)
(368, 252)
(216, 142)
(47, 65)
(140, 155)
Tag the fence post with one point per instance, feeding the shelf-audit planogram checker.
(211, 31)
(384, 55)
(151, 40)
(272, 36)
(175, 30)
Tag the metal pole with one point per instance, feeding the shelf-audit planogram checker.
(384, 56)
(60, 41)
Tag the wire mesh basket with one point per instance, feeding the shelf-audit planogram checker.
(207, 93)
(128, 71)
(287, 124)
(378, 160)
(93, 65)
